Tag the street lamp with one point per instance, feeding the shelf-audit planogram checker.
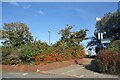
(100, 34)
(49, 35)
(98, 19)
(100, 37)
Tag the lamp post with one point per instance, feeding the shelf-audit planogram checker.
(100, 37)
(100, 34)
(49, 35)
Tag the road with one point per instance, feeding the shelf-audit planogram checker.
(80, 71)
(72, 71)
(30, 75)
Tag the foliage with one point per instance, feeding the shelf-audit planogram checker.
(6, 50)
(87, 56)
(24, 52)
(67, 48)
(115, 46)
(108, 62)
(1, 34)
(46, 58)
(80, 54)
(10, 55)
(37, 59)
(11, 60)
(94, 41)
(29, 50)
(53, 57)
(72, 38)
(43, 46)
(110, 24)
(16, 34)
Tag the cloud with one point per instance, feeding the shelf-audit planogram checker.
(40, 12)
(26, 6)
(22, 5)
(14, 3)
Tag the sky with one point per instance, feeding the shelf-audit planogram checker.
(43, 16)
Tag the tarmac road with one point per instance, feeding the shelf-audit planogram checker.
(72, 71)
(30, 75)
(80, 71)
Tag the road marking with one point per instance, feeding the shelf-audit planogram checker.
(78, 76)
(13, 73)
(19, 73)
(37, 70)
(24, 74)
(81, 76)
(72, 70)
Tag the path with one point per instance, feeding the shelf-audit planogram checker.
(80, 71)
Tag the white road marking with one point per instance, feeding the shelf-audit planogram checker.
(19, 73)
(72, 70)
(37, 70)
(78, 76)
(81, 76)
(13, 73)
(24, 74)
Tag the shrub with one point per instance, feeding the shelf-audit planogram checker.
(108, 62)
(6, 50)
(6, 61)
(14, 59)
(47, 58)
(10, 55)
(87, 56)
(115, 46)
(37, 59)
(27, 51)
(54, 57)
(80, 54)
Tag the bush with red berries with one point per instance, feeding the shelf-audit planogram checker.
(54, 57)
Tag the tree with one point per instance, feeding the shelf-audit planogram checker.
(72, 38)
(110, 24)
(16, 34)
